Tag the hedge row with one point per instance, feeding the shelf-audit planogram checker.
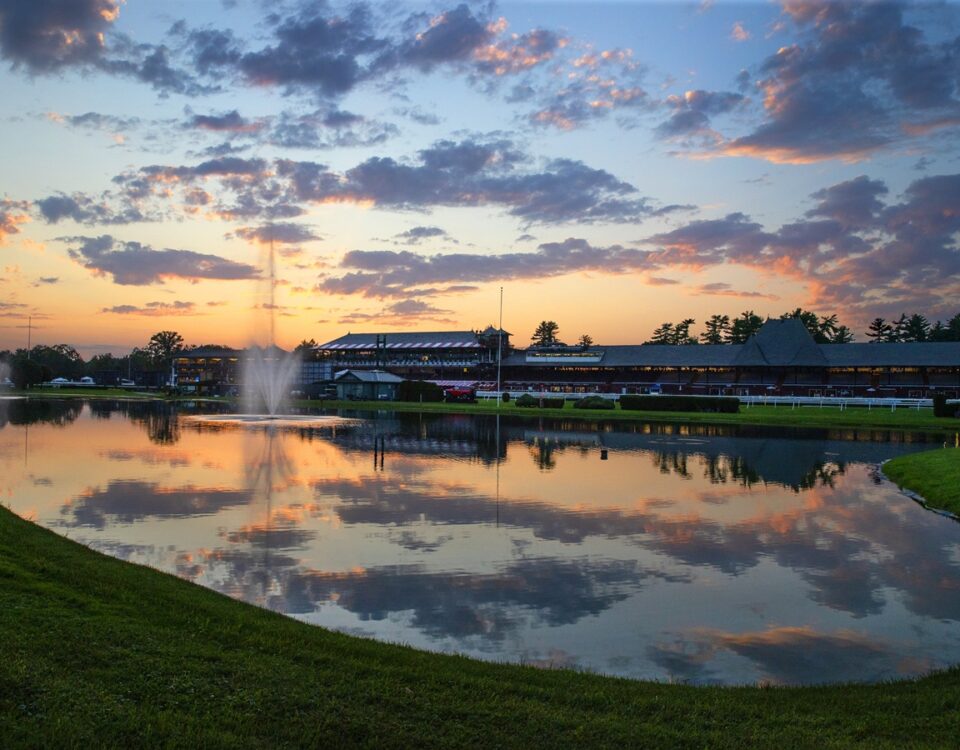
(595, 402)
(528, 401)
(680, 403)
(419, 390)
(942, 409)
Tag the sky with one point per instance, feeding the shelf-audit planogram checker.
(610, 165)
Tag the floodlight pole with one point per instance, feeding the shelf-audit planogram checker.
(499, 350)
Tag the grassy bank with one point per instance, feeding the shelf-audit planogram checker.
(98, 652)
(934, 475)
(784, 416)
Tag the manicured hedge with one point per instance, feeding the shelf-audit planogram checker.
(531, 402)
(419, 390)
(680, 403)
(594, 402)
(942, 409)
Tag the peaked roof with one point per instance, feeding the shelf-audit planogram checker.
(781, 343)
(406, 340)
(369, 376)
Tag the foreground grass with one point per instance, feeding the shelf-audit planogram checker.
(101, 653)
(783, 416)
(934, 475)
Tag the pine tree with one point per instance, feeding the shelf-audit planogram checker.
(880, 331)
(744, 327)
(546, 333)
(717, 329)
(663, 335)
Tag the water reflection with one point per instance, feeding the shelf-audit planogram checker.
(704, 554)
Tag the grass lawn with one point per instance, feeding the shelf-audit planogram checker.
(807, 416)
(97, 652)
(934, 475)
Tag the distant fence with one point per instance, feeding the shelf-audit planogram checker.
(843, 402)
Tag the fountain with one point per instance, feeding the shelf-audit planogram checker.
(268, 374)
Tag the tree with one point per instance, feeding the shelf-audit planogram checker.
(842, 335)
(546, 333)
(663, 335)
(163, 347)
(917, 328)
(900, 328)
(880, 331)
(681, 332)
(744, 327)
(953, 328)
(717, 329)
(585, 341)
(306, 345)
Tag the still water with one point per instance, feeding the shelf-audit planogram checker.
(700, 554)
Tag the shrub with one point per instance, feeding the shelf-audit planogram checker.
(419, 390)
(529, 401)
(552, 403)
(526, 401)
(942, 409)
(506, 395)
(595, 402)
(681, 403)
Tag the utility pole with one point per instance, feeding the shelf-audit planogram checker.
(29, 334)
(499, 350)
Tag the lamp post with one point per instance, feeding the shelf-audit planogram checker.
(499, 349)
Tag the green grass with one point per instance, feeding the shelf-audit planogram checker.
(96, 652)
(807, 416)
(87, 393)
(934, 475)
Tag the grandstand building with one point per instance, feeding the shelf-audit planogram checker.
(782, 358)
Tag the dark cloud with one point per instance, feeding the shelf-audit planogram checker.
(47, 281)
(325, 129)
(860, 79)
(131, 263)
(475, 173)
(855, 204)
(154, 309)
(280, 233)
(416, 235)
(46, 35)
(230, 121)
(386, 273)
(451, 36)
(692, 113)
(86, 210)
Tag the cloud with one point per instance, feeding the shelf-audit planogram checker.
(390, 273)
(405, 312)
(280, 233)
(48, 35)
(860, 79)
(416, 235)
(230, 121)
(85, 210)
(47, 281)
(692, 113)
(739, 33)
(131, 263)
(475, 173)
(12, 215)
(154, 309)
(721, 289)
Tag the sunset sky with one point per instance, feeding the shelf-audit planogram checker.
(611, 165)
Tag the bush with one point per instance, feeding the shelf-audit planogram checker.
(419, 390)
(681, 403)
(506, 396)
(942, 409)
(595, 402)
(530, 402)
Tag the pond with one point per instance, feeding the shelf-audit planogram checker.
(702, 554)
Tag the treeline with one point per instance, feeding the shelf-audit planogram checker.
(825, 329)
(42, 363)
